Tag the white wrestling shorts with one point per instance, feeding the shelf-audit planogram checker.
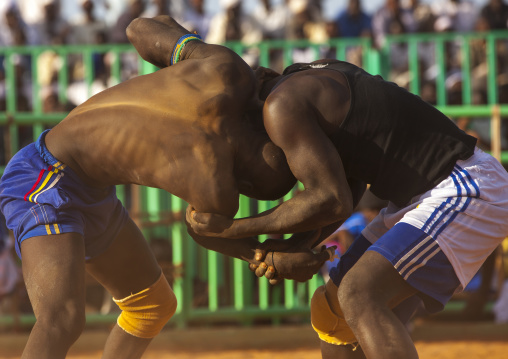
(441, 239)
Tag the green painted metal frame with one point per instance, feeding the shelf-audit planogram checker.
(233, 293)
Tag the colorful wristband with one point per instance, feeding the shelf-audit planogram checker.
(175, 57)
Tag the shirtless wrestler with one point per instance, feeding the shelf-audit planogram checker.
(339, 128)
(191, 129)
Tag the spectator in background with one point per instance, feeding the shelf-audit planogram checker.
(86, 26)
(391, 19)
(13, 30)
(298, 18)
(460, 14)
(422, 15)
(298, 29)
(495, 12)
(273, 19)
(232, 24)
(14, 33)
(134, 10)
(53, 29)
(428, 92)
(315, 8)
(158, 7)
(196, 19)
(32, 11)
(353, 21)
(129, 60)
(78, 91)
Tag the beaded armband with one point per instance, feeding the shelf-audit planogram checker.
(175, 57)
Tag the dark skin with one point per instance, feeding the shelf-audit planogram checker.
(184, 129)
(301, 113)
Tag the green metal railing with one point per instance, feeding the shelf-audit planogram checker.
(209, 286)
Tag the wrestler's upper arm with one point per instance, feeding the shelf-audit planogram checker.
(292, 124)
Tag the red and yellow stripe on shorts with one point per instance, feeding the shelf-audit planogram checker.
(47, 179)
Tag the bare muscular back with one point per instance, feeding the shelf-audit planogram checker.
(163, 130)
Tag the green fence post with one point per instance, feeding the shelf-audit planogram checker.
(89, 70)
(213, 283)
(341, 51)
(466, 71)
(146, 67)
(63, 77)
(11, 107)
(441, 74)
(264, 55)
(10, 81)
(182, 282)
(374, 65)
(115, 66)
(242, 289)
(492, 70)
(414, 84)
(36, 89)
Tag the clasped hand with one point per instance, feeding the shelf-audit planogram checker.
(282, 260)
(208, 224)
(276, 259)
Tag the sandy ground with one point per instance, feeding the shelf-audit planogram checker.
(433, 341)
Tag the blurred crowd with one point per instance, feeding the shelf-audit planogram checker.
(42, 22)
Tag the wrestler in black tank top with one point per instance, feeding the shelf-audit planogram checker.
(392, 139)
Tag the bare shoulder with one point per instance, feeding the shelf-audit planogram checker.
(317, 95)
(290, 99)
(217, 73)
(222, 62)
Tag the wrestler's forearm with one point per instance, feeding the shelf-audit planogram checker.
(326, 232)
(302, 213)
(243, 249)
(155, 38)
(311, 239)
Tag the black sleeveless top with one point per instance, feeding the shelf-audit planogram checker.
(392, 139)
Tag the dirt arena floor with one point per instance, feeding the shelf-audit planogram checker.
(434, 340)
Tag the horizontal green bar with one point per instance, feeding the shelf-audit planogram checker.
(450, 36)
(66, 49)
(195, 313)
(472, 111)
(248, 313)
(28, 118)
(271, 44)
(221, 314)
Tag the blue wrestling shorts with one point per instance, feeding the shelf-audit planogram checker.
(41, 196)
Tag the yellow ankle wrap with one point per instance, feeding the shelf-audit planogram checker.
(144, 314)
(327, 318)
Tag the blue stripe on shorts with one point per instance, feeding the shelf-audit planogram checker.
(419, 260)
(415, 252)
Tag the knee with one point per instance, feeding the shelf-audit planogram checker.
(144, 314)
(64, 324)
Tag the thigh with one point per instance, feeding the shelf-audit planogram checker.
(54, 271)
(375, 279)
(127, 266)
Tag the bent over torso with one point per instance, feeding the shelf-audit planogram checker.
(391, 138)
(161, 130)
